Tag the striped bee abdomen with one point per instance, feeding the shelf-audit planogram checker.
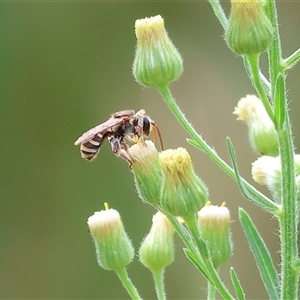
(90, 148)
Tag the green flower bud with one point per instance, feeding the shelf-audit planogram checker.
(249, 30)
(157, 62)
(214, 223)
(266, 170)
(114, 250)
(146, 171)
(262, 133)
(183, 193)
(157, 249)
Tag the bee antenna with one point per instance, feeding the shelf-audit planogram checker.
(157, 132)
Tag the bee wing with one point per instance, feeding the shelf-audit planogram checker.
(102, 128)
(123, 113)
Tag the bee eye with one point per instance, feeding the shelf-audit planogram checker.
(146, 126)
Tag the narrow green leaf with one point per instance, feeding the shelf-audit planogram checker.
(189, 254)
(280, 110)
(194, 143)
(237, 285)
(261, 254)
(248, 191)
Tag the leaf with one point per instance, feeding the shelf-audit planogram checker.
(280, 109)
(249, 193)
(194, 143)
(261, 254)
(189, 254)
(237, 285)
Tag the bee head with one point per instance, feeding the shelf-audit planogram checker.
(147, 125)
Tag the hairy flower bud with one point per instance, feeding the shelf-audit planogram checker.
(249, 30)
(182, 192)
(113, 247)
(214, 223)
(146, 170)
(262, 133)
(157, 249)
(266, 170)
(157, 62)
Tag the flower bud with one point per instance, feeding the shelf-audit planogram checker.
(214, 223)
(146, 170)
(262, 133)
(266, 170)
(249, 30)
(157, 249)
(157, 62)
(182, 192)
(114, 250)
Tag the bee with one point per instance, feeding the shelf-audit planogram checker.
(123, 124)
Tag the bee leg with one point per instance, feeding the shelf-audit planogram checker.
(125, 154)
(120, 148)
(135, 139)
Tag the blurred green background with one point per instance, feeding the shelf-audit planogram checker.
(65, 67)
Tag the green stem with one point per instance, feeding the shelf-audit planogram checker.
(256, 80)
(130, 288)
(287, 219)
(218, 11)
(274, 50)
(265, 82)
(291, 61)
(211, 292)
(212, 154)
(158, 276)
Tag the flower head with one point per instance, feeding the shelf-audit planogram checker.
(183, 193)
(266, 170)
(113, 247)
(157, 249)
(262, 133)
(157, 62)
(146, 170)
(214, 223)
(249, 30)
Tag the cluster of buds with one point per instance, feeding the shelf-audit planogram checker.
(167, 179)
(182, 194)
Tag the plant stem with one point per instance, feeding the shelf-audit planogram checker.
(291, 61)
(158, 276)
(211, 291)
(287, 219)
(130, 288)
(274, 51)
(256, 80)
(218, 10)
